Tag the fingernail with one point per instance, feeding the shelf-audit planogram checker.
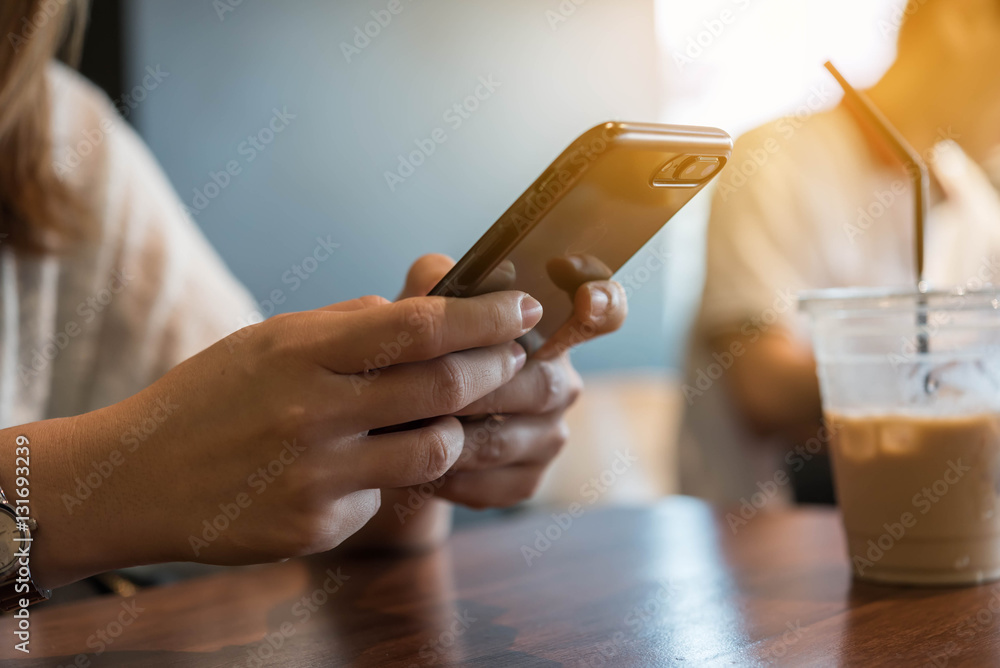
(600, 299)
(520, 356)
(531, 312)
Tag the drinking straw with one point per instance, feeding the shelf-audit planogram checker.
(916, 168)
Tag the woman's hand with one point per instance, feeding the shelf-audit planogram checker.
(511, 435)
(258, 448)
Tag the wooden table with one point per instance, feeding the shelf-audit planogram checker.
(655, 586)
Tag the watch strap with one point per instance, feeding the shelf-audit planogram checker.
(10, 599)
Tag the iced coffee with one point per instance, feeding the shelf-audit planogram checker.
(911, 393)
(919, 496)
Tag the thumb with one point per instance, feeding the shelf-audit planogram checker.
(425, 274)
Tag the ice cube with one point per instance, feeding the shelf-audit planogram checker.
(858, 440)
(898, 438)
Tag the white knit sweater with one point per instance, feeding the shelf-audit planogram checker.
(145, 291)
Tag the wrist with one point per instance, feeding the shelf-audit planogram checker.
(79, 497)
(44, 476)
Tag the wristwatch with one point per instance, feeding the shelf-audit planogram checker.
(16, 582)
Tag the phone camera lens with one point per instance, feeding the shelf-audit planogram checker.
(698, 169)
(687, 171)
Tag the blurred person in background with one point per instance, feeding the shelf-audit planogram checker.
(148, 417)
(823, 203)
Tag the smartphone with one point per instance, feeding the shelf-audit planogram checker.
(594, 208)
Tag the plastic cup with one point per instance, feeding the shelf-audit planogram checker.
(911, 393)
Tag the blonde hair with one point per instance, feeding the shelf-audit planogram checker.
(38, 212)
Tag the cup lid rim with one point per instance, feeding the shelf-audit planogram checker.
(868, 298)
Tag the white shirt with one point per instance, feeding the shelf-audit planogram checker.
(143, 292)
(808, 205)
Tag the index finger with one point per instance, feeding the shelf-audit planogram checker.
(420, 329)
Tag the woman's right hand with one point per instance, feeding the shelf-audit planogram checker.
(258, 449)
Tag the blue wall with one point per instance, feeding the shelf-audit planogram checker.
(559, 72)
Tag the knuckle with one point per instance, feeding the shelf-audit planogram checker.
(278, 337)
(433, 446)
(267, 335)
(371, 301)
(282, 323)
(509, 367)
(550, 386)
(575, 385)
(289, 420)
(425, 319)
(493, 450)
(560, 436)
(450, 390)
(619, 304)
(496, 324)
(489, 448)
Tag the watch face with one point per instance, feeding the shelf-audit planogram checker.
(8, 532)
